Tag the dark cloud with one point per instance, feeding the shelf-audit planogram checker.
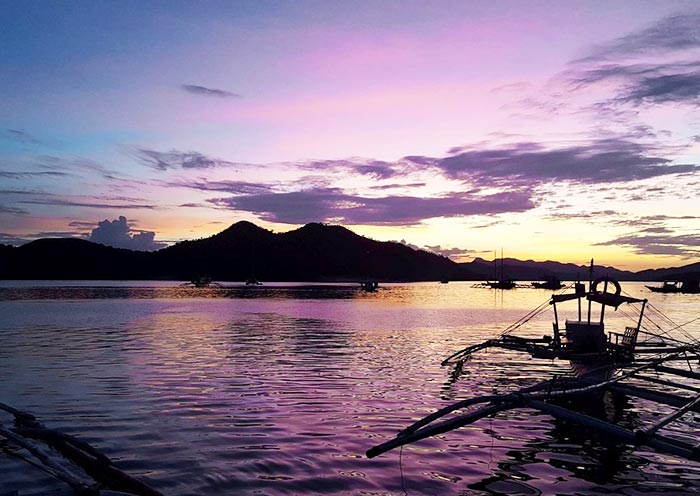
(676, 88)
(675, 33)
(175, 159)
(27, 174)
(331, 204)
(56, 234)
(397, 185)
(204, 91)
(20, 136)
(671, 73)
(659, 242)
(9, 239)
(118, 233)
(21, 192)
(648, 83)
(601, 161)
(5, 209)
(194, 205)
(82, 226)
(367, 167)
(233, 187)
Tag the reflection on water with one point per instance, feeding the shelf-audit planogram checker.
(281, 390)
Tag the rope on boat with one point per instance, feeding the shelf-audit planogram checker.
(466, 352)
(532, 314)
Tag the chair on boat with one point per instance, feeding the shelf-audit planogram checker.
(623, 344)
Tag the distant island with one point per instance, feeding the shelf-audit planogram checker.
(315, 253)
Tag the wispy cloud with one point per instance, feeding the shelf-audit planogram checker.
(204, 91)
(27, 174)
(673, 33)
(378, 169)
(659, 241)
(20, 136)
(9, 239)
(59, 202)
(175, 159)
(456, 253)
(6, 209)
(233, 187)
(656, 65)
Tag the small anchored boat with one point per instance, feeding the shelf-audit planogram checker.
(370, 286)
(651, 365)
(551, 282)
(687, 286)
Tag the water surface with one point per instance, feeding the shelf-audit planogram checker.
(281, 389)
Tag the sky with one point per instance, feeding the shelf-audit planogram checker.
(549, 130)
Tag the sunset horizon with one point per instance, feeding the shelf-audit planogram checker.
(550, 132)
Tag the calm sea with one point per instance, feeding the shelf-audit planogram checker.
(280, 390)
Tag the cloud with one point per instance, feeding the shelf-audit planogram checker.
(5, 209)
(333, 205)
(20, 136)
(645, 83)
(233, 187)
(600, 161)
(656, 242)
(118, 234)
(655, 65)
(204, 91)
(457, 253)
(377, 169)
(175, 159)
(27, 174)
(670, 34)
(398, 185)
(59, 202)
(9, 239)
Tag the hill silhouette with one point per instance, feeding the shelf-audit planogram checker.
(314, 252)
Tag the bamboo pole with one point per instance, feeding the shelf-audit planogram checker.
(650, 431)
(440, 428)
(657, 442)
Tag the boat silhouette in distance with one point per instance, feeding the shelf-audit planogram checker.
(500, 282)
(370, 286)
(551, 282)
(687, 286)
(652, 365)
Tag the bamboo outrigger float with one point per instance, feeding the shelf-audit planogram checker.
(651, 366)
(66, 458)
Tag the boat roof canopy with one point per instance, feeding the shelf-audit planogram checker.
(609, 299)
(612, 299)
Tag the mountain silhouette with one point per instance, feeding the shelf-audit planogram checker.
(314, 252)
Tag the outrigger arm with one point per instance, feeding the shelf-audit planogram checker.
(539, 396)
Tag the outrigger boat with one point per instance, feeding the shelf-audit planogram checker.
(551, 282)
(650, 365)
(687, 286)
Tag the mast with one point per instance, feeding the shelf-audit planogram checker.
(590, 284)
(495, 271)
(501, 265)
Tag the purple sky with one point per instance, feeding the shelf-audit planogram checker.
(553, 130)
